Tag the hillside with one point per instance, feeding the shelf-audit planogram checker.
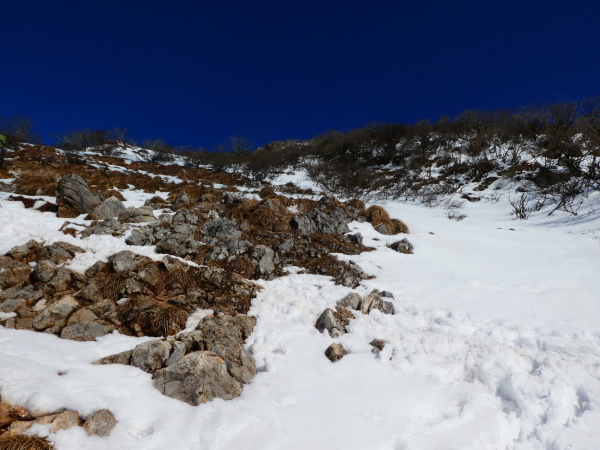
(469, 327)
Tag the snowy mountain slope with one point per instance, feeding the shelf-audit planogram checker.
(494, 344)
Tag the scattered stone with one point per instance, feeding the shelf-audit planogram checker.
(377, 345)
(383, 229)
(351, 301)
(402, 246)
(100, 423)
(335, 352)
(180, 200)
(44, 271)
(13, 273)
(56, 314)
(335, 322)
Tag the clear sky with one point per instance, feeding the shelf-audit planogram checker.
(195, 72)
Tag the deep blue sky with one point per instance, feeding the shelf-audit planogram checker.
(196, 72)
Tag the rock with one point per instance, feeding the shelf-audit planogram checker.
(383, 229)
(140, 237)
(378, 345)
(26, 253)
(10, 413)
(351, 301)
(44, 271)
(180, 200)
(110, 227)
(60, 252)
(221, 228)
(184, 216)
(100, 423)
(13, 273)
(303, 223)
(57, 422)
(56, 314)
(126, 261)
(402, 246)
(386, 294)
(119, 358)
(230, 198)
(85, 330)
(197, 378)
(143, 214)
(72, 191)
(374, 301)
(351, 275)
(151, 356)
(335, 352)
(108, 209)
(356, 238)
(265, 257)
(334, 322)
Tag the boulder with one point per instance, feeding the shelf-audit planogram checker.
(265, 258)
(100, 423)
(108, 209)
(110, 227)
(197, 378)
(351, 301)
(335, 352)
(73, 192)
(86, 330)
(126, 261)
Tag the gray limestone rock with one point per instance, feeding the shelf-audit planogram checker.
(13, 273)
(303, 223)
(402, 246)
(100, 423)
(221, 228)
(108, 209)
(180, 200)
(351, 301)
(151, 356)
(197, 378)
(85, 330)
(55, 314)
(73, 191)
(44, 271)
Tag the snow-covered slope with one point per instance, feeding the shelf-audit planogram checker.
(494, 345)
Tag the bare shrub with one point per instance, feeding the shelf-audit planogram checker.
(157, 151)
(524, 205)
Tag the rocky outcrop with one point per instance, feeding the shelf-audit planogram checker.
(200, 365)
(129, 293)
(74, 197)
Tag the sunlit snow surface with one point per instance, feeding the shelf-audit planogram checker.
(494, 345)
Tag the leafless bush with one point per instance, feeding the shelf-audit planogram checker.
(524, 205)
(567, 196)
(157, 151)
(453, 208)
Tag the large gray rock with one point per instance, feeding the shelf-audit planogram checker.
(350, 301)
(73, 191)
(151, 356)
(265, 257)
(111, 227)
(100, 423)
(221, 228)
(375, 301)
(108, 209)
(303, 223)
(180, 200)
(126, 260)
(197, 378)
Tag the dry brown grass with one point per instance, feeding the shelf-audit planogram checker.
(378, 216)
(357, 204)
(114, 193)
(23, 442)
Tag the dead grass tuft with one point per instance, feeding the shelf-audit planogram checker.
(357, 204)
(23, 442)
(377, 216)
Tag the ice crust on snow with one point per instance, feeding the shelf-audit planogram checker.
(494, 344)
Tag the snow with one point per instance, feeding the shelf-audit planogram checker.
(495, 344)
